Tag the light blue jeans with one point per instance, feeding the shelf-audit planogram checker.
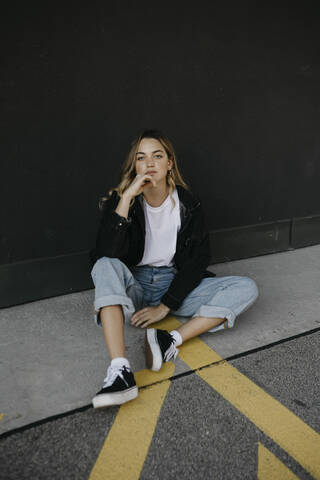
(217, 297)
(214, 297)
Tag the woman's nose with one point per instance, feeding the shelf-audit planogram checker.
(152, 163)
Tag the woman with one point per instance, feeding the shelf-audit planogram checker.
(150, 258)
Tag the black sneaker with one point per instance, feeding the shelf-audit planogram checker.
(119, 387)
(159, 348)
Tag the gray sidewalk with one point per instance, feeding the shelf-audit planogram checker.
(54, 357)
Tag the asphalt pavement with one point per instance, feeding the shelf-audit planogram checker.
(242, 403)
(199, 434)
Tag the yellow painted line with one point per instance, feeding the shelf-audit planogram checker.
(136, 421)
(145, 378)
(197, 354)
(278, 422)
(1, 416)
(126, 447)
(168, 323)
(269, 466)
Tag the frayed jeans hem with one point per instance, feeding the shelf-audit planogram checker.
(217, 312)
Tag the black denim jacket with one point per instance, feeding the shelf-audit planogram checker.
(124, 238)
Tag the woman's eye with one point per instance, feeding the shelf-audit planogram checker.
(141, 158)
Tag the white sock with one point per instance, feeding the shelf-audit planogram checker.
(119, 361)
(176, 335)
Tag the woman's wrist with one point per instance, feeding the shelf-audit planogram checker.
(123, 206)
(127, 195)
(164, 308)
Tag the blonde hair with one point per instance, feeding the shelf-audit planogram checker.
(128, 173)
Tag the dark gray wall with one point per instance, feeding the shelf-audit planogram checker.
(236, 87)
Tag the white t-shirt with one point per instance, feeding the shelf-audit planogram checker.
(162, 226)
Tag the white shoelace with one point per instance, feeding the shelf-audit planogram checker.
(172, 351)
(114, 372)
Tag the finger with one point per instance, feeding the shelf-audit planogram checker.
(134, 324)
(141, 321)
(144, 324)
(134, 320)
(137, 319)
(138, 313)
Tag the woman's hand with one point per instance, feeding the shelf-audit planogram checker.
(139, 184)
(148, 315)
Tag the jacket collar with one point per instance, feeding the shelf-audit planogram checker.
(187, 197)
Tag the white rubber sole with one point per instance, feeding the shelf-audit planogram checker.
(153, 352)
(116, 398)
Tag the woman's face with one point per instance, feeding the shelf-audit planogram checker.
(152, 156)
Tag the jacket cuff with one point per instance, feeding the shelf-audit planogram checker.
(120, 222)
(172, 302)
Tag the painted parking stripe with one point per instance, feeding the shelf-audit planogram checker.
(279, 423)
(126, 446)
(269, 466)
(299, 440)
(294, 436)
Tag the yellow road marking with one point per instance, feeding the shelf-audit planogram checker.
(1, 416)
(269, 466)
(135, 423)
(126, 447)
(278, 422)
(168, 323)
(148, 377)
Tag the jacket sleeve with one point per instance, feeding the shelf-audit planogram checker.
(112, 236)
(196, 260)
